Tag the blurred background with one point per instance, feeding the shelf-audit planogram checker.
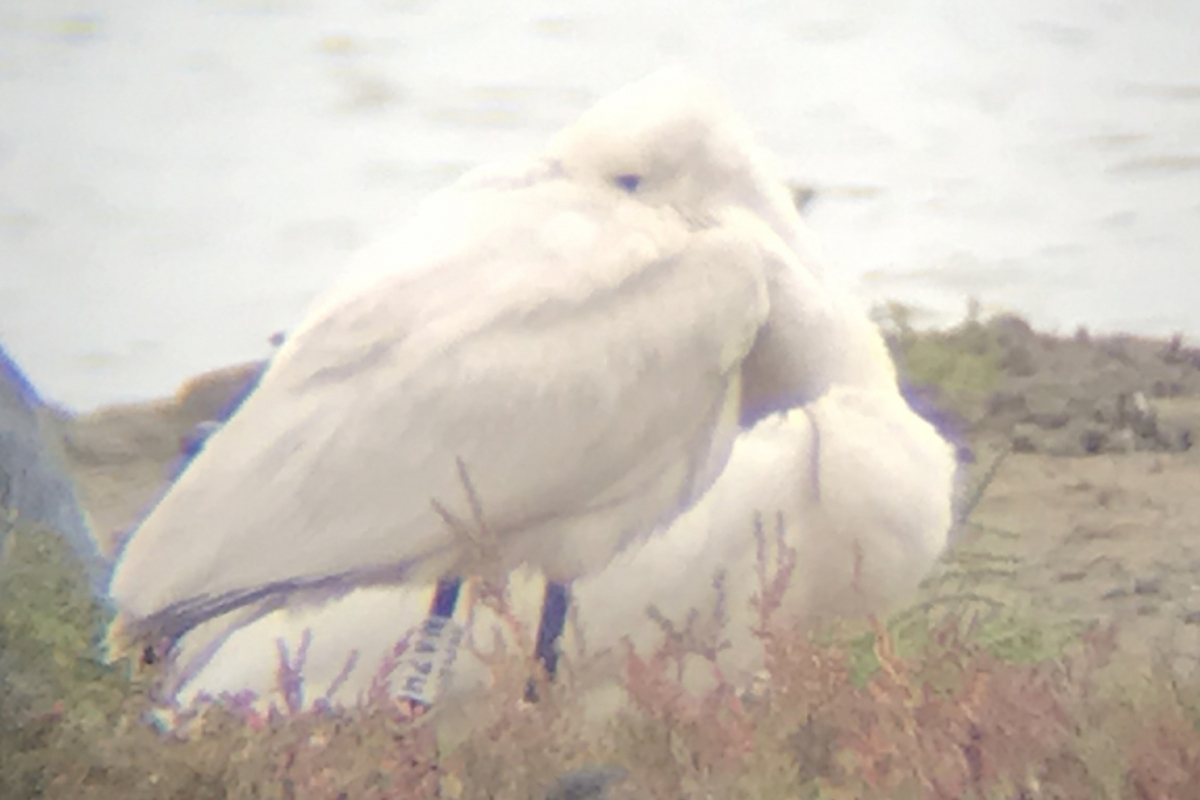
(180, 178)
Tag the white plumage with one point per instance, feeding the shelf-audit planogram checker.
(866, 511)
(567, 345)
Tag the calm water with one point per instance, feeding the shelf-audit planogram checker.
(179, 179)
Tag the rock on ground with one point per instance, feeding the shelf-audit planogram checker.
(34, 482)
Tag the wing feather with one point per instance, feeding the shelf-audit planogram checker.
(577, 368)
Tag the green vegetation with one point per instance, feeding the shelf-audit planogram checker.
(955, 697)
(965, 363)
(56, 693)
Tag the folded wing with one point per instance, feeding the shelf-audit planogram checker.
(581, 373)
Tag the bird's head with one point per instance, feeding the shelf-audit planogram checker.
(671, 141)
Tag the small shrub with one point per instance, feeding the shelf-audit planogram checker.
(956, 697)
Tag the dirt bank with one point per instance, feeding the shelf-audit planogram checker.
(1093, 513)
(123, 457)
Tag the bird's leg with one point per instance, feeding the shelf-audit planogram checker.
(436, 645)
(554, 618)
(445, 599)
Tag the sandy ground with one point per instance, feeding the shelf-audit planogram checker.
(1094, 514)
(1110, 537)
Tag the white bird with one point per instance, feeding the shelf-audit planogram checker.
(861, 486)
(557, 362)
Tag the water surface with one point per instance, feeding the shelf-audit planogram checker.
(178, 179)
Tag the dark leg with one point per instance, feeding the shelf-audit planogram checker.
(426, 650)
(554, 619)
(446, 597)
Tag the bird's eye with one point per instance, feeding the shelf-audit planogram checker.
(628, 182)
